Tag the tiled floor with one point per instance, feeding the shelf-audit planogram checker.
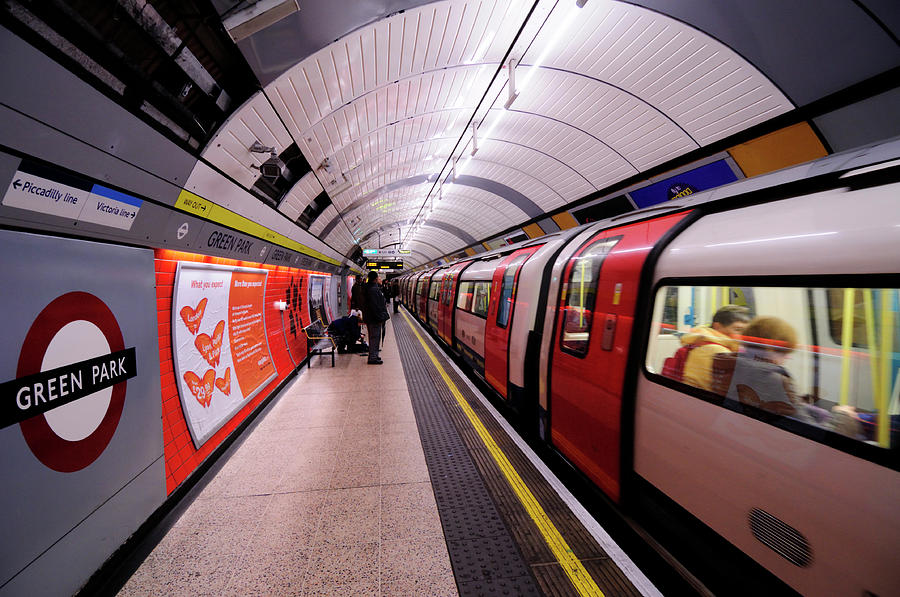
(328, 495)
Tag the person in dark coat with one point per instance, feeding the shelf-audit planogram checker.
(345, 332)
(356, 294)
(395, 294)
(375, 314)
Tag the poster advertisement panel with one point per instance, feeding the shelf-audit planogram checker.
(219, 343)
(316, 300)
(687, 183)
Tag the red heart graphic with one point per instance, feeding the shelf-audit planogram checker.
(211, 348)
(201, 389)
(193, 317)
(224, 383)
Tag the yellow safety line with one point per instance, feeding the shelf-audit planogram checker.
(572, 566)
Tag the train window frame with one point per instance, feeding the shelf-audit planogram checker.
(481, 298)
(466, 295)
(503, 315)
(570, 269)
(888, 457)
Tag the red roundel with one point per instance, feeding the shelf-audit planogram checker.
(57, 453)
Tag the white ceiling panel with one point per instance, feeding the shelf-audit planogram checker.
(300, 195)
(565, 181)
(527, 183)
(328, 214)
(456, 90)
(697, 81)
(641, 134)
(591, 158)
(461, 202)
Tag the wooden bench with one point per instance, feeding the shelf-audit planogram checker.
(318, 341)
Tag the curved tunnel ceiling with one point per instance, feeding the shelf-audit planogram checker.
(605, 92)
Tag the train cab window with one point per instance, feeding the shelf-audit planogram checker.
(507, 290)
(579, 294)
(777, 355)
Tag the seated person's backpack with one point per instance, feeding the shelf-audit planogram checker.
(673, 366)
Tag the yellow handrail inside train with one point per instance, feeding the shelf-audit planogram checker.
(846, 344)
(873, 340)
(887, 349)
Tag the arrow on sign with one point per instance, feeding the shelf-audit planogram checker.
(17, 184)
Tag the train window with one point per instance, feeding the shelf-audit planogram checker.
(507, 289)
(482, 297)
(434, 290)
(779, 358)
(464, 301)
(579, 294)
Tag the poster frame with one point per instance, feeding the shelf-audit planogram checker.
(200, 439)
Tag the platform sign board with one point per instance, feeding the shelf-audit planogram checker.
(80, 419)
(49, 191)
(687, 183)
(219, 343)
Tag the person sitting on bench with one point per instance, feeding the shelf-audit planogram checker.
(345, 332)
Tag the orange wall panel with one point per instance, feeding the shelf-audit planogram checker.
(786, 147)
(565, 220)
(533, 230)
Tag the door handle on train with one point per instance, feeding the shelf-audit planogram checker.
(609, 331)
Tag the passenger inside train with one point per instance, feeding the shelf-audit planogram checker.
(823, 361)
(693, 362)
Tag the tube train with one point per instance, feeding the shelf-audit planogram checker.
(572, 331)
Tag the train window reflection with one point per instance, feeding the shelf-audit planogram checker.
(822, 357)
(482, 297)
(464, 299)
(579, 293)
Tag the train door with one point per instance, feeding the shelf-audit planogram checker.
(421, 297)
(448, 298)
(592, 333)
(434, 296)
(499, 319)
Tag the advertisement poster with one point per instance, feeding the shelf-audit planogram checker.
(219, 343)
(317, 299)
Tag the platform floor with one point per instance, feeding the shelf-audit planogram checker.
(377, 480)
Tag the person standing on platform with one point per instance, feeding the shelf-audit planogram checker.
(395, 294)
(356, 293)
(375, 314)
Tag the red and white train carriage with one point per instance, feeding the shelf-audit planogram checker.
(571, 329)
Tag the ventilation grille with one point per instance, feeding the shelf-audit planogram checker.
(781, 538)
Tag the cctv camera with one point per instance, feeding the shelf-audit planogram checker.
(272, 168)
